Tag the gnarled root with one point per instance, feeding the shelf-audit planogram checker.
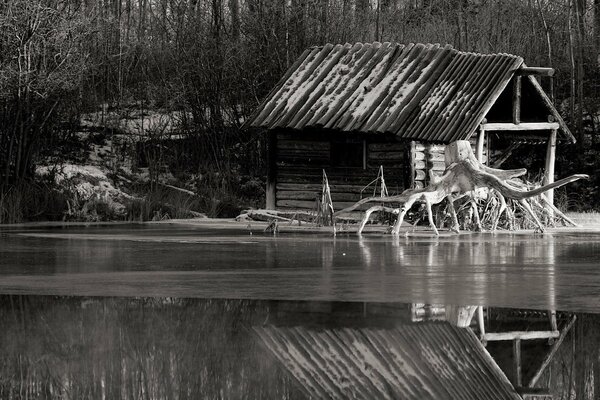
(464, 174)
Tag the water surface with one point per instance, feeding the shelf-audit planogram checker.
(557, 270)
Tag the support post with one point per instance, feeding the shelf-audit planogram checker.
(550, 162)
(480, 143)
(271, 171)
(516, 100)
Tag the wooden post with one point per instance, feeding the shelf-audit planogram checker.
(517, 362)
(480, 143)
(516, 100)
(271, 171)
(550, 161)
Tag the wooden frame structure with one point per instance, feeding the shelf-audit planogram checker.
(394, 99)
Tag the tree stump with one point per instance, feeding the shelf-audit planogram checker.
(464, 174)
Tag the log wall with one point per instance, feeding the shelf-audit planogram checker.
(429, 157)
(300, 161)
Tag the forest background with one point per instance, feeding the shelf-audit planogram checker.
(132, 109)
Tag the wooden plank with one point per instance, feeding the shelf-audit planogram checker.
(523, 126)
(523, 335)
(551, 353)
(539, 71)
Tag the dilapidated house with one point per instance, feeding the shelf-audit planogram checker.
(350, 109)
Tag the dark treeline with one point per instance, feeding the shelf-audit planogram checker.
(210, 62)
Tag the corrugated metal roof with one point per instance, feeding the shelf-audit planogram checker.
(429, 360)
(417, 91)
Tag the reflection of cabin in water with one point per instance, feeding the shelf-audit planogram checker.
(418, 351)
(349, 109)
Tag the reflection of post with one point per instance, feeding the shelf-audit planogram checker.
(481, 322)
(551, 281)
(517, 362)
(365, 252)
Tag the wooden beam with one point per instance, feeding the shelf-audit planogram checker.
(551, 353)
(507, 153)
(550, 162)
(540, 71)
(523, 126)
(270, 192)
(546, 100)
(517, 362)
(516, 100)
(523, 335)
(480, 143)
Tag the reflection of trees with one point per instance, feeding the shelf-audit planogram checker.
(134, 349)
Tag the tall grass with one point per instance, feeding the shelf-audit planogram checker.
(30, 201)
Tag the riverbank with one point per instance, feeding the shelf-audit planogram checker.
(586, 221)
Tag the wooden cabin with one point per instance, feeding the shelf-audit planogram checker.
(350, 109)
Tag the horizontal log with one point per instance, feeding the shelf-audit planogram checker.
(436, 165)
(435, 157)
(430, 147)
(523, 335)
(523, 126)
(420, 175)
(385, 155)
(387, 147)
(540, 71)
(312, 195)
(303, 145)
(419, 165)
(312, 205)
(318, 187)
(388, 165)
(418, 155)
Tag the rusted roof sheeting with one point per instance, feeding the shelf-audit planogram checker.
(432, 360)
(417, 91)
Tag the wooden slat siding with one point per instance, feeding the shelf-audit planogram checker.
(300, 165)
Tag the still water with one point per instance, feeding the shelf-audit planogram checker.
(173, 312)
(557, 270)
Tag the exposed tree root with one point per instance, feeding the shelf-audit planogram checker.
(463, 175)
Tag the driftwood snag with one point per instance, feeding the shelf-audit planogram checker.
(463, 175)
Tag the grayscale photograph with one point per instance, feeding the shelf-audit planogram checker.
(300, 199)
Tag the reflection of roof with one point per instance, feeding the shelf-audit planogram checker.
(429, 360)
(420, 91)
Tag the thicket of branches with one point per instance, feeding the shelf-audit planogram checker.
(212, 61)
